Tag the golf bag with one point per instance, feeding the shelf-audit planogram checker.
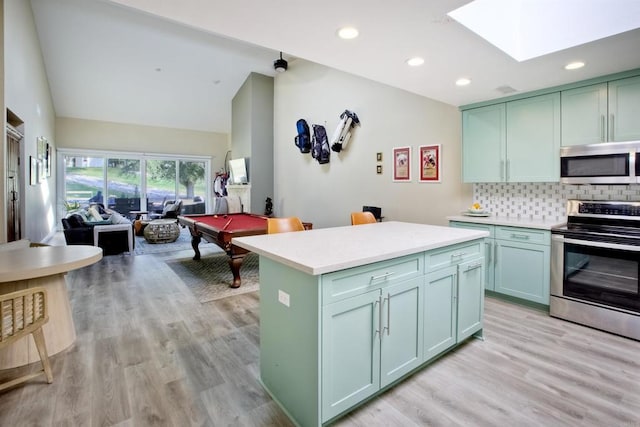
(320, 145)
(348, 120)
(303, 139)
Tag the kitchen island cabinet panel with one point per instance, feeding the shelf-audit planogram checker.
(350, 352)
(289, 339)
(323, 353)
(401, 336)
(470, 298)
(440, 311)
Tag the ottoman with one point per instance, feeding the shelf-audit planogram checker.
(162, 231)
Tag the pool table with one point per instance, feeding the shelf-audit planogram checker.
(220, 229)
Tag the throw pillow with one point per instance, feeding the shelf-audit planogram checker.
(116, 218)
(93, 214)
(11, 246)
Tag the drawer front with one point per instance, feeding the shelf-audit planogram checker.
(525, 235)
(453, 255)
(354, 281)
(473, 226)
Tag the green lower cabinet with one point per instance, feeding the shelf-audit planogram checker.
(369, 341)
(518, 261)
(350, 352)
(454, 304)
(470, 298)
(523, 270)
(440, 311)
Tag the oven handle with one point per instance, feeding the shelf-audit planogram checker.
(630, 248)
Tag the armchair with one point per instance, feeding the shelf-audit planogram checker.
(171, 210)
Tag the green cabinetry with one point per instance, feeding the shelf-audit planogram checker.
(519, 260)
(624, 109)
(516, 141)
(484, 144)
(369, 341)
(454, 303)
(329, 342)
(604, 112)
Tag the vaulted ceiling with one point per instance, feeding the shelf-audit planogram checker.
(179, 63)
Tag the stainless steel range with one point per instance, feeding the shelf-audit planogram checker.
(595, 265)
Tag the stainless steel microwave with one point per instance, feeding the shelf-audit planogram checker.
(603, 163)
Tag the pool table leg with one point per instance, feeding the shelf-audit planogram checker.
(235, 262)
(195, 241)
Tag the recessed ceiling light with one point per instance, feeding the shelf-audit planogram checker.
(574, 65)
(415, 61)
(158, 69)
(463, 81)
(348, 33)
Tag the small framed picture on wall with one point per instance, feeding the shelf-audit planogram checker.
(401, 164)
(429, 162)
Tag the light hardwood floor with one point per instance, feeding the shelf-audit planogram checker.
(148, 354)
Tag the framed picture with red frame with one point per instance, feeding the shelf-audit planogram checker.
(401, 164)
(429, 162)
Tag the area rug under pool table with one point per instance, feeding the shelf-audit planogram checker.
(209, 278)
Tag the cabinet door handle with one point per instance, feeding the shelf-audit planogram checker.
(519, 236)
(611, 128)
(495, 253)
(458, 254)
(454, 289)
(501, 170)
(489, 257)
(382, 276)
(473, 266)
(508, 169)
(379, 302)
(602, 123)
(388, 327)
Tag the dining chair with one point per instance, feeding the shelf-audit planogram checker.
(283, 225)
(358, 218)
(22, 313)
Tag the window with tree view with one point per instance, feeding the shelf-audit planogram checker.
(130, 184)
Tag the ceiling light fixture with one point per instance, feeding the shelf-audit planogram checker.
(574, 65)
(463, 81)
(415, 61)
(348, 33)
(280, 64)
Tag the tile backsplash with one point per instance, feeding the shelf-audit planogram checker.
(544, 200)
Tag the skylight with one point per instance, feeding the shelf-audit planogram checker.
(526, 29)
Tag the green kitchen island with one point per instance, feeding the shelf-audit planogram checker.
(346, 312)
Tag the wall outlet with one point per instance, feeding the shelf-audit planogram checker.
(283, 297)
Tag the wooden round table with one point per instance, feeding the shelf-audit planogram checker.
(44, 266)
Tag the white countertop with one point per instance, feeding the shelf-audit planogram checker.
(326, 250)
(544, 224)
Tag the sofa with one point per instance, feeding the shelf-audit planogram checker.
(78, 228)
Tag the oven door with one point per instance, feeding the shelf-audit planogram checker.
(596, 272)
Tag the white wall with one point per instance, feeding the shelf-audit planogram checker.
(98, 135)
(27, 95)
(326, 194)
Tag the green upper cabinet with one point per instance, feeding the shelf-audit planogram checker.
(516, 141)
(484, 143)
(533, 139)
(605, 112)
(584, 115)
(624, 109)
